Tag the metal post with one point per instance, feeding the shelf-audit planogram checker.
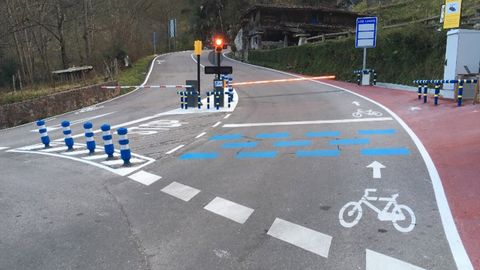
(437, 92)
(364, 58)
(425, 93)
(460, 92)
(198, 74)
(218, 64)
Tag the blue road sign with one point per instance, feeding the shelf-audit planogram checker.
(366, 34)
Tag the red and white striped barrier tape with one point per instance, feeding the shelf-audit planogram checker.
(145, 86)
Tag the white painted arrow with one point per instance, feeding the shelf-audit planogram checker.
(356, 103)
(376, 166)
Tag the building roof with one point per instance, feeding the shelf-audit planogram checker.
(295, 8)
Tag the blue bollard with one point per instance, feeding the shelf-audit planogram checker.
(208, 100)
(230, 88)
(42, 129)
(181, 99)
(217, 99)
(91, 145)
(67, 132)
(199, 100)
(425, 93)
(107, 140)
(419, 91)
(437, 93)
(124, 148)
(460, 92)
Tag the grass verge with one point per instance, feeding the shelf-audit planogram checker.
(132, 76)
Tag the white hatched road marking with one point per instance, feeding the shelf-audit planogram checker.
(3, 148)
(302, 237)
(175, 149)
(200, 135)
(227, 116)
(181, 191)
(378, 261)
(75, 153)
(32, 147)
(229, 209)
(145, 178)
(101, 156)
(57, 149)
(120, 161)
(337, 121)
(217, 124)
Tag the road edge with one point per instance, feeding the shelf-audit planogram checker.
(457, 248)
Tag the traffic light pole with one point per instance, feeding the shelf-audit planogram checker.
(218, 64)
(198, 73)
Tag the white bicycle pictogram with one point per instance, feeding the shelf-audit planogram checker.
(359, 113)
(400, 215)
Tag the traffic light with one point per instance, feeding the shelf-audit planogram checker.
(218, 42)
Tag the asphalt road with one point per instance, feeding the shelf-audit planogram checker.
(262, 189)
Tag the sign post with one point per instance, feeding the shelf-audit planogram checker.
(366, 37)
(452, 14)
(198, 52)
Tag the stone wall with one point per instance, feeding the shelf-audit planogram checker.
(27, 111)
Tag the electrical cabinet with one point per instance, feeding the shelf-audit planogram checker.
(462, 57)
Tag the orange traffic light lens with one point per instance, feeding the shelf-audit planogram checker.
(218, 42)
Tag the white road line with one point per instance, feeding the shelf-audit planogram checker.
(301, 237)
(57, 149)
(32, 147)
(120, 161)
(175, 149)
(102, 156)
(227, 116)
(145, 178)
(200, 135)
(229, 209)
(378, 261)
(317, 122)
(217, 124)
(3, 148)
(181, 191)
(456, 245)
(75, 153)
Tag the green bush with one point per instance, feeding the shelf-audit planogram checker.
(402, 55)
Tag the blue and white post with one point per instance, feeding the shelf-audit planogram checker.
(230, 88)
(91, 145)
(107, 140)
(42, 129)
(124, 148)
(208, 100)
(67, 133)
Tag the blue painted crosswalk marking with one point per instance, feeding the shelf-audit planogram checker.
(323, 134)
(240, 145)
(226, 137)
(292, 143)
(377, 132)
(318, 153)
(350, 141)
(244, 155)
(199, 156)
(281, 135)
(384, 151)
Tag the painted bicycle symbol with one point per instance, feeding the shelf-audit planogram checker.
(360, 113)
(401, 216)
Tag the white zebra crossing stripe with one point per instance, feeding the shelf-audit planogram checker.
(229, 209)
(145, 178)
(302, 237)
(181, 191)
(378, 261)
